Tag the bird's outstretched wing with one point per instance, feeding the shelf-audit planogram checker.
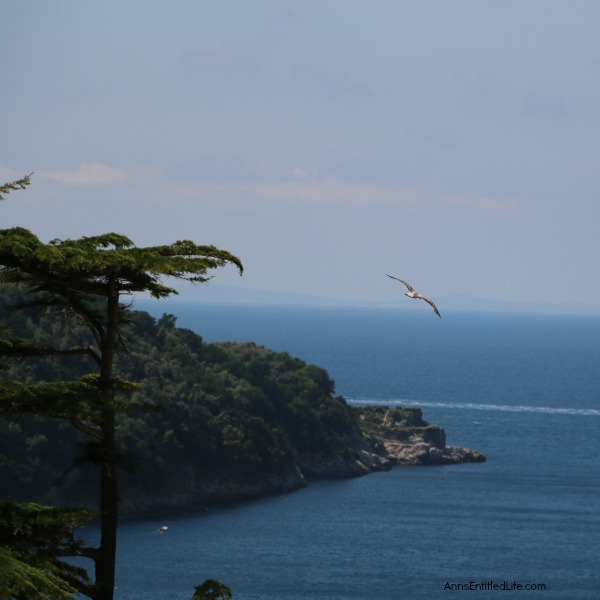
(414, 294)
(435, 310)
(410, 287)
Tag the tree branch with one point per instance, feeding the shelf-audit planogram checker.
(87, 429)
(25, 352)
(86, 589)
(19, 184)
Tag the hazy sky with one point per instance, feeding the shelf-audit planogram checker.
(455, 144)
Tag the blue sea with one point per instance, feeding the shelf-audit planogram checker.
(522, 388)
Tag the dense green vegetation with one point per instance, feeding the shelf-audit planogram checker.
(229, 412)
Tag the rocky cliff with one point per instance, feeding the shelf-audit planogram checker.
(401, 436)
(386, 437)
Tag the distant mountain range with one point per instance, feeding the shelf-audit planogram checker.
(224, 294)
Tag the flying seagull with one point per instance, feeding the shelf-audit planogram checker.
(413, 294)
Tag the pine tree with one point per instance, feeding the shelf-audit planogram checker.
(87, 278)
(33, 539)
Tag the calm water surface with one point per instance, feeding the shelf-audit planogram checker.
(524, 389)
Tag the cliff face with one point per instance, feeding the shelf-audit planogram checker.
(358, 456)
(383, 437)
(190, 490)
(192, 493)
(404, 438)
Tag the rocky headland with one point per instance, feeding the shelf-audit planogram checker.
(228, 422)
(385, 437)
(401, 436)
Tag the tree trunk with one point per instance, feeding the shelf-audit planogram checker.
(105, 561)
(109, 489)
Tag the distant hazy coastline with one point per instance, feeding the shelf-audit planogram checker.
(227, 294)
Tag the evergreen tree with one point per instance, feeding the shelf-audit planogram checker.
(87, 279)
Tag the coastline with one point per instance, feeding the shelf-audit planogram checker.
(386, 438)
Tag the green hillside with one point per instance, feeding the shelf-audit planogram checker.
(235, 420)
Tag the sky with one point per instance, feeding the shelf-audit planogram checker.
(323, 142)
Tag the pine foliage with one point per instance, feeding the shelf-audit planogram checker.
(32, 540)
(19, 184)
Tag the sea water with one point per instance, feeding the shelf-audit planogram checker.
(523, 389)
